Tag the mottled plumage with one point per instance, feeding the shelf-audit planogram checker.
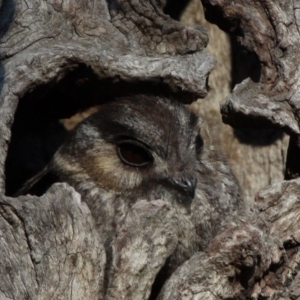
(148, 148)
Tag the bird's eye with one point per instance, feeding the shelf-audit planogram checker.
(134, 154)
(199, 143)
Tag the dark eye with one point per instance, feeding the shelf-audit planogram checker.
(134, 153)
(199, 143)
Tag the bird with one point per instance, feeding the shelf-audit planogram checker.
(147, 147)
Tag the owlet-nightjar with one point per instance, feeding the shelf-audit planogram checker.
(149, 148)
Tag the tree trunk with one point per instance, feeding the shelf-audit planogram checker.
(58, 58)
(257, 157)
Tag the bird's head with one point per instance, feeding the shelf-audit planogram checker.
(135, 142)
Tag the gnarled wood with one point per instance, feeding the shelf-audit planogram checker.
(71, 54)
(45, 254)
(270, 30)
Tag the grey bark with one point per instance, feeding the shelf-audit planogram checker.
(49, 246)
(256, 156)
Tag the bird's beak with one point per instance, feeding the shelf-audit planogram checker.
(186, 183)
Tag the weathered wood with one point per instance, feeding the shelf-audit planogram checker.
(229, 268)
(45, 254)
(50, 246)
(256, 156)
(50, 40)
(270, 30)
(139, 253)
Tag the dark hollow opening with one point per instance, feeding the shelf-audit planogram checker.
(160, 280)
(244, 63)
(37, 131)
(175, 8)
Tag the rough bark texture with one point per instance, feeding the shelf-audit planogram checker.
(270, 29)
(60, 57)
(269, 97)
(45, 254)
(256, 156)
